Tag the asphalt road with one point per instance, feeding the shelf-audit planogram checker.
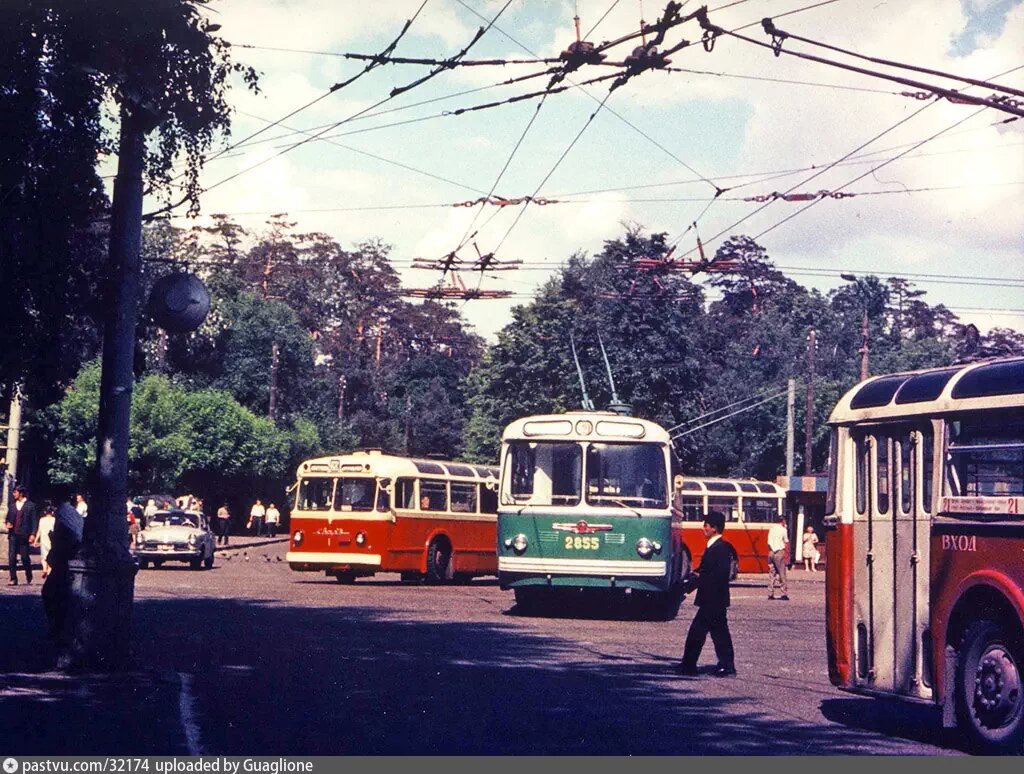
(252, 658)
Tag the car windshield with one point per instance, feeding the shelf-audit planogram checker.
(173, 519)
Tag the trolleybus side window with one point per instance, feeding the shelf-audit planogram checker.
(405, 493)
(906, 473)
(633, 472)
(927, 468)
(760, 510)
(315, 494)
(692, 508)
(727, 504)
(833, 456)
(463, 498)
(383, 500)
(863, 450)
(433, 495)
(354, 494)
(882, 469)
(985, 457)
(488, 499)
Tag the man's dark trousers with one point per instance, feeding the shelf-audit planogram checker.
(709, 620)
(17, 545)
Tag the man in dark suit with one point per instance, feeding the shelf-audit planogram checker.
(21, 533)
(711, 580)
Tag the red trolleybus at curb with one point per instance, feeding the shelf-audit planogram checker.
(750, 508)
(367, 512)
(584, 506)
(925, 563)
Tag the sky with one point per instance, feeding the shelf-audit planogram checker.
(947, 214)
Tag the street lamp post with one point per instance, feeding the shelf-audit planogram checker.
(863, 326)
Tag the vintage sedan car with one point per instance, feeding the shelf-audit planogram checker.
(175, 536)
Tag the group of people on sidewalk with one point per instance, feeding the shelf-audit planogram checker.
(263, 520)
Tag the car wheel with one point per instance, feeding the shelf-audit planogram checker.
(989, 700)
(208, 562)
(157, 563)
(143, 564)
(195, 564)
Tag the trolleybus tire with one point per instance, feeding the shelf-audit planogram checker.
(439, 561)
(345, 578)
(988, 691)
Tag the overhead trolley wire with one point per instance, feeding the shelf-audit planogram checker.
(394, 93)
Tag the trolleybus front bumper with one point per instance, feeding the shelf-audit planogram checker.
(307, 561)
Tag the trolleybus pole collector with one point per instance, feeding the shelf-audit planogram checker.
(925, 556)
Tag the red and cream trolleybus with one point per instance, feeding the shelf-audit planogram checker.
(750, 508)
(585, 510)
(925, 560)
(367, 512)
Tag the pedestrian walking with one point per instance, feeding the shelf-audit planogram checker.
(223, 525)
(43, 536)
(711, 580)
(273, 520)
(810, 549)
(21, 534)
(778, 558)
(257, 515)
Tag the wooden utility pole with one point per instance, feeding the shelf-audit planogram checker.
(812, 345)
(341, 397)
(790, 421)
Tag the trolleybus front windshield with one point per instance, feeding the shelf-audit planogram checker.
(626, 473)
(339, 494)
(543, 473)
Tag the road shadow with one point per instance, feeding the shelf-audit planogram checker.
(270, 678)
(892, 717)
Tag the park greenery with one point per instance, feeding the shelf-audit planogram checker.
(310, 347)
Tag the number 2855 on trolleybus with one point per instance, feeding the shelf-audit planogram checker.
(925, 560)
(367, 512)
(584, 506)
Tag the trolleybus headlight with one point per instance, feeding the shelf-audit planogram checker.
(644, 547)
(361, 539)
(519, 543)
(298, 537)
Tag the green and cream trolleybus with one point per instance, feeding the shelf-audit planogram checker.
(584, 505)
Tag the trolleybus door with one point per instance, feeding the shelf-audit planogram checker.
(891, 560)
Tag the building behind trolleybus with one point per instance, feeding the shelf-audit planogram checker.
(925, 556)
(367, 512)
(585, 508)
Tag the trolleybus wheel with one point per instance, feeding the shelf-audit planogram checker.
(989, 699)
(346, 578)
(439, 561)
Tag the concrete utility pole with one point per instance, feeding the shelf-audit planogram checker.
(790, 421)
(864, 371)
(11, 457)
(102, 576)
(812, 343)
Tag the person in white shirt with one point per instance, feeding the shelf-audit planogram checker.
(778, 558)
(81, 505)
(46, 524)
(256, 517)
(273, 519)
